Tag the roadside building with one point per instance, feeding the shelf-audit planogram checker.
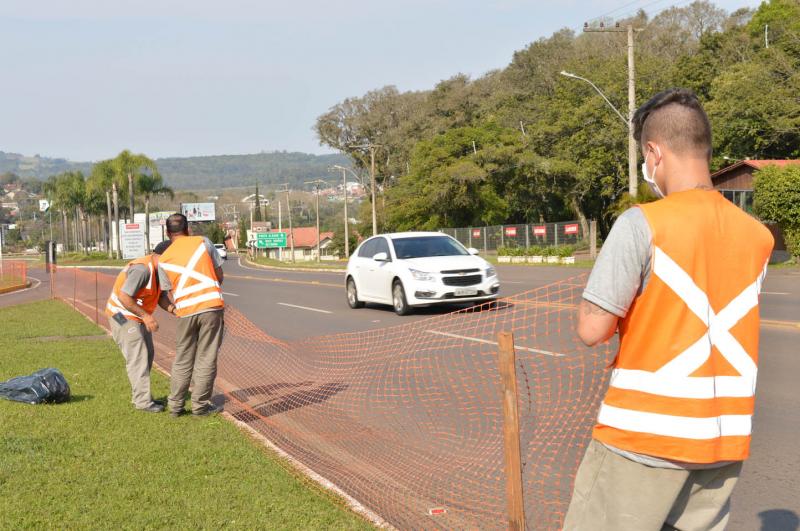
(305, 244)
(735, 182)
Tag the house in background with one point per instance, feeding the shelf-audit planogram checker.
(735, 182)
(305, 245)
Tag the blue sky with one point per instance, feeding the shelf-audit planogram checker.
(84, 79)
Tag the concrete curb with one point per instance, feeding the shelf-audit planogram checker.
(17, 287)
(88, 267)
(300, 269)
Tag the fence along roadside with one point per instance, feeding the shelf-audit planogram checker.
(407, 421)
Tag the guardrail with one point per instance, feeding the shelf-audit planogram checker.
(409, 420)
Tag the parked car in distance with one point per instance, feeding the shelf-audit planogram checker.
(415, 269)
(220, 247)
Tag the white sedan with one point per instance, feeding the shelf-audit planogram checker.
(223, 252)
(413, 269)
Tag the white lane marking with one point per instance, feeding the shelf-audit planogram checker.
(487, 342)
(303, 307)
(228, 293)
(511, 282)
(774, 293)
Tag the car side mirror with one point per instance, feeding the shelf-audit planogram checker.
(473, 251)
(381, 257)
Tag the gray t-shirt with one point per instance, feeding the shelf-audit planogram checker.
(619, 275)
(137, 278)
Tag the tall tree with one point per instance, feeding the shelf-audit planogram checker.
(149, 185)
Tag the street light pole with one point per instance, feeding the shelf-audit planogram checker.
(316, 184)
(372, 147)
(632, 175)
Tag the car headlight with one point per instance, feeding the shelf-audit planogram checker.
(421, 275)
(490, 272)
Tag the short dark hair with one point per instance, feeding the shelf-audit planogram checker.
(161, 247)
(177, 224)
(676, 118)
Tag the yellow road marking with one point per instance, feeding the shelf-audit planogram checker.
(792, 325)
(286, 281)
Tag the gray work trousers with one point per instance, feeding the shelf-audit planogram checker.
(198, 343)
(136, 344)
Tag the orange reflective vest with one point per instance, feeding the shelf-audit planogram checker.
(191, 272)
(683, 386)
(147, 297)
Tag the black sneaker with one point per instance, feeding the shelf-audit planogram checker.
(162, 401)
(176, 414)
(209, 409)
(152, 408)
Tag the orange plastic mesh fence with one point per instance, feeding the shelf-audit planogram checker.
(13, 273)
(409, 418)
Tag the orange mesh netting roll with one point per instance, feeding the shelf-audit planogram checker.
(408, 420)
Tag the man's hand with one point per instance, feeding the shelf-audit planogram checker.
(150, 323)
(595, 325)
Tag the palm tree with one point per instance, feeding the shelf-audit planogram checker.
(151, 184)
(128, 166)
(101, 182)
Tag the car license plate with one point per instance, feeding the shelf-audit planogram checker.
(465, 292)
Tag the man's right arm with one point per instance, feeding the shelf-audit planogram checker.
(616, 278)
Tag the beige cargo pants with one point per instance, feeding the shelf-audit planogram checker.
(136, 344)
(198, 343)
(616, 494)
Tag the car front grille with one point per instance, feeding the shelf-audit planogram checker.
(466, 280)
(457, 271)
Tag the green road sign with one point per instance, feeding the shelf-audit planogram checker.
(268, 240)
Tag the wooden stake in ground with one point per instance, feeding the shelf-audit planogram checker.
(513, 460)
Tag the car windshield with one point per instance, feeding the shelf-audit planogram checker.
(421, 246)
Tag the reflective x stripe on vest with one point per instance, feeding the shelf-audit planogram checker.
(187, 299)
(683, 386)
(674, 380)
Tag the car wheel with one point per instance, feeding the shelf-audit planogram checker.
(399, 301)
(352, 295)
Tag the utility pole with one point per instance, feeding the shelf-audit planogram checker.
(633, 179)
(289, 210)
(280, 229)
(316, 184)
(115, 199)
(346, 229)
(372, 147)
(130, 195)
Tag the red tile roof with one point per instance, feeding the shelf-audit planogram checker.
(305, 236)
(755, 164)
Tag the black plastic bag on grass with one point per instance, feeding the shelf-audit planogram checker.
(45, 385)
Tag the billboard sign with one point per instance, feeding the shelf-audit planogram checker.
(511, 231)
(476, 233)
(540, 230)
(571, 229)
(44, 205)
(198, 211)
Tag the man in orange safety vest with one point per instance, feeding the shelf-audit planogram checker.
(680, 279)
(130, 307)
(191, 270)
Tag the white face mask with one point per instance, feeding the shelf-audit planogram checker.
(651, 179)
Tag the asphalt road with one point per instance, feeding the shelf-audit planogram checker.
(292, 305)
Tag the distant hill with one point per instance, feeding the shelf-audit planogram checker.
(211, 172)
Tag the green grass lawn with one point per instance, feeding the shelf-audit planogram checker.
(96, 463)
(91, 259)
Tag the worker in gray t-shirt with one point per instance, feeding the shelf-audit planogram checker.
(130, 306)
